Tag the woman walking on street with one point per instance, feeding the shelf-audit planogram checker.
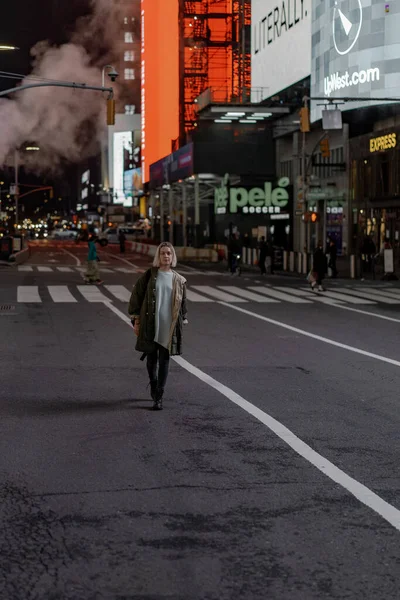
(319, 267)
(92, 272)
(158, 312)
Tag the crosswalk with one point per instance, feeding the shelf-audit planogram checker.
(35, 269)
(231, 294)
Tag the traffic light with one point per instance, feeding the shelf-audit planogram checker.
(314, 217)
(304, 119)
(111, 111)
(325, 149)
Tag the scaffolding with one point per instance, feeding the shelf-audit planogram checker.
(215, 53)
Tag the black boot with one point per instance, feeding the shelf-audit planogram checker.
(158, 399)
(153, 389)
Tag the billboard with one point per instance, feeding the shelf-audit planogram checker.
(172, 168)
(280, 45)
(127, 167)
(355, 51)
(159, 79)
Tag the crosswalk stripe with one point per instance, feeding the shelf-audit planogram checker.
(61, 293)
(119, 291)
(45, 269)
(105, 270)
(392, 292)
(64, 269)
(309, 294)
(371, 295)
(279, 295)
(244, 293)
(92, 294)
(25, 268)
(349, 299)
(193, 297)
(218, 294)
(28, 293)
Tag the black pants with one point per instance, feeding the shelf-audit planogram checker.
(262, 259)
(159, 357)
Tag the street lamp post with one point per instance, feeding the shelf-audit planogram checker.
(16, 167)
(113, 74)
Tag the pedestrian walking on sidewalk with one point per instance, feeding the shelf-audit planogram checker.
(157, 309)
(122, 240)
(92, 272)
(319, 268)
(263, 250)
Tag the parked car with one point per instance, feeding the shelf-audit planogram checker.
(111, 235)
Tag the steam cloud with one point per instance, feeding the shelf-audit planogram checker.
(65, 123)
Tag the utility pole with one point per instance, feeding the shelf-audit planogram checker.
(16, 167)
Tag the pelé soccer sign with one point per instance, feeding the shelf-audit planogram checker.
(266, 199)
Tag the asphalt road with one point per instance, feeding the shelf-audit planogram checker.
(272, 473)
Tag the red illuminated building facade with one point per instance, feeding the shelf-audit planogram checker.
(187, 48)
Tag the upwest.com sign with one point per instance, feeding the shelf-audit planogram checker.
(254, 200)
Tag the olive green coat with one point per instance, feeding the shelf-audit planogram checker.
(142, 305)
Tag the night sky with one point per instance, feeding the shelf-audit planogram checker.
(23, 23)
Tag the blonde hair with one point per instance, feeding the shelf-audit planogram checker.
(156, 261)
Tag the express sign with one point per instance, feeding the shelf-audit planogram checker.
(255, 200)
(384, 142)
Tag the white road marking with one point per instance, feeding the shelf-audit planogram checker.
(64, 269)
(309, 294)
(78, 260)
(92, 293)
(339, 304)
(61, 293)
(124, 270)
(314, 336)
(25, 268)
(105, 270)
(393, 292)
(127, 262)
(366, 496)
(119, 291)
(345, 298)
(45, 269)
(370, 295)
(214, 293)
(193, 297)
(244, 293)
(279, 295)
(28, 293)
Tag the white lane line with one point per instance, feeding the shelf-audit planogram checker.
(60, 293)
(279, 295)
(127, 262)
(28, 293)
(370, 295)
(346, 298)
(45, 269)
(193, 297)
(244, 293)
(314, 336)
(78, 260)
(119, 291)
(214, 293)
(366, 496)
(124, 270)
(25, 268)
(64, 269)
(92, 294)
(105, 270)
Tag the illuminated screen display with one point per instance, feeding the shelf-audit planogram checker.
(127, 167)
(355, 51)
(159, 79)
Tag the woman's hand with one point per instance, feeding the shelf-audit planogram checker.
(136, 326)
